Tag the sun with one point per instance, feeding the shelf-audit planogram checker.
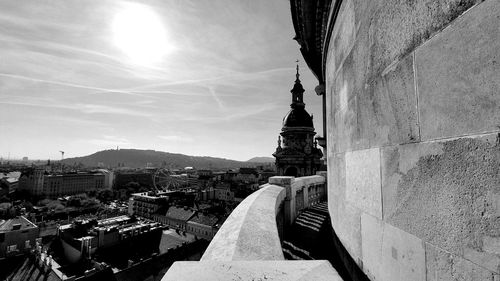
(139, 33)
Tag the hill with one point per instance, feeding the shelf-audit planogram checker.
(262, 159)
(136, 158)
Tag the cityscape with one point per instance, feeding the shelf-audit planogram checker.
(250, 140)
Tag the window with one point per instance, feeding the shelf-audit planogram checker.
(11, 248)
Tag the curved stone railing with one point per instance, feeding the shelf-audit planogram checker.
(250, 232)
(248, 246)
(298, 191)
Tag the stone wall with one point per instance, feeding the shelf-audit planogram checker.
(413, 119)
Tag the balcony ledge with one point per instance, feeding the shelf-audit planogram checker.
(250, 232)
(248, 246)
(317, 270)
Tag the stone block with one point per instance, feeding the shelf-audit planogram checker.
(336, 186)
(373, 113)
(398, 27)
(396, 162)
(390, 253)
(343, 130)
(252, 270)
(348, 228)
(345, 216)
(281, 180)
(457, 75)
(445, 193)
(444, 266)
(371, 241)
(363, 183)
(344, 35)
(487, 260)
(387, 107)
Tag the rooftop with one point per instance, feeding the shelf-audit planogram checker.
(208, 219)
(8, 225)
(179, 213)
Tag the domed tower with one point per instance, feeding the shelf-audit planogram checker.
(297, 153)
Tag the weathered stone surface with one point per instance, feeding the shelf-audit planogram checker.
(363, 183)
(387, 107)
(377, 112)
(446, 193)
(371, 241)
(349, 228)
(444, 266)
(252, 270)
(458, 81)
(390, 253)
(345, 216)
(344, 35)
(344, 132)
(250, 232)
(336, 186)
(398, 27)
(396, 162)
(487, 260)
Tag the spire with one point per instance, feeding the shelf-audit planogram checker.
(297, 75)
(297, 91)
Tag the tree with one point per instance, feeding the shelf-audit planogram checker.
(105, 195)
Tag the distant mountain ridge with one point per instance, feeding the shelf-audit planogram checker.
(262, 159)
(136, 158)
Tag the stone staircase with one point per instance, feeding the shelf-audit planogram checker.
(308, 236)
(311, 237)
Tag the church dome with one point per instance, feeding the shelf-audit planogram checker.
(298, 117)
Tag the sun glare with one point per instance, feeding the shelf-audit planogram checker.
(140, 34)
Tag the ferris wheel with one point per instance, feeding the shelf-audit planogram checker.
(164, 179)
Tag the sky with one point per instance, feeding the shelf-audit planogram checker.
(201, 77)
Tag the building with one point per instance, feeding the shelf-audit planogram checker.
(175, 217)
(31, 180)
(16, 236)
(8, 185)
(206, 194)
(410, 95)
(72, 183)
(38, 181)
(84, 238)
(297, 153)
(224, 193)
(203, 225)
(109, 177)
(247, 175)
(265, 174)
(142, 177)
(146, 204)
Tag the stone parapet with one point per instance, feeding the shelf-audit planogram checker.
(317, 270)
(300, 193)
(250, 232)
(248, 246)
